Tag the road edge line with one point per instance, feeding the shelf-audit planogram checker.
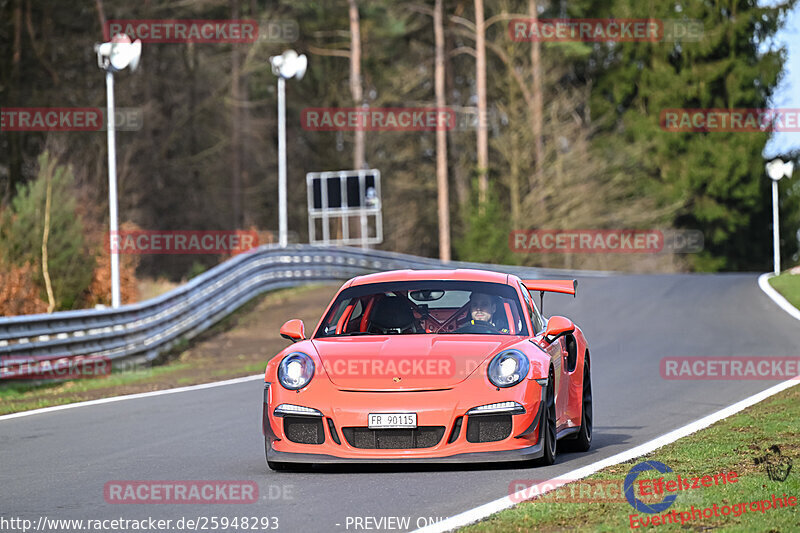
(775, 296)
(135, 396)
(483, 511)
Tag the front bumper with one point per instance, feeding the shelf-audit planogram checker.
(532, 452)
(435, 408)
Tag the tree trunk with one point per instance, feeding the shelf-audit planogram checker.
(101, 16)
(15, 156)
(460, 177)
(51, 301)
(356, 89)
(441, 138)
(483, 130)
(536, 111)
(236, 142)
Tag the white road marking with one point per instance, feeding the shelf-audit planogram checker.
(775, 296)
(132, 397)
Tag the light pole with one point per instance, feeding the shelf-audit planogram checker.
(113, 57)
(777, 169)
(285, 66)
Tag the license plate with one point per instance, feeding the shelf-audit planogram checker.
(392, 420)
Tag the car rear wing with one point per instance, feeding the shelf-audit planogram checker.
(563, 286)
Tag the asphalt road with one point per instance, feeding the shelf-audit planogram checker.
(56, 464)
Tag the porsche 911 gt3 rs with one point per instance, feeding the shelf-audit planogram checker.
(430, 366)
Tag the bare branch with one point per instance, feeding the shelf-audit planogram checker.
(38, 48)
(328, 52)
(418, 8)
(464, 22)
(462, 50)
(101, 15)
(503, 16)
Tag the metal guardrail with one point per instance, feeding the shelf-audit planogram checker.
(146, 329)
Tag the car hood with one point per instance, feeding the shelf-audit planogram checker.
(404, 362)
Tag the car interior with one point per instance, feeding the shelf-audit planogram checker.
(400, 312)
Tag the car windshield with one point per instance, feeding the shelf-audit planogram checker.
(418, 307)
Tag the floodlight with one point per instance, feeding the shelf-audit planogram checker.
(777, 169)
(119, 53)
(289, 65)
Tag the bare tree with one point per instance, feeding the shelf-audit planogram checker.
(536, 104)
(356, 89)
(48, 172)
(236, 140)
(480, 77)
(441, 138)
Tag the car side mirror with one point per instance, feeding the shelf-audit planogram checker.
(558, 326)
(294, 330)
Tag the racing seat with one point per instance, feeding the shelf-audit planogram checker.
(392, 314)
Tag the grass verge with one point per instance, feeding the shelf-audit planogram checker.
(789, 287)
(596, 503)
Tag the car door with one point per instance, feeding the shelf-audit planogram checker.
(559, 348)
(557, 352)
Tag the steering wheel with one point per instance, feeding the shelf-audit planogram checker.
(478, 327)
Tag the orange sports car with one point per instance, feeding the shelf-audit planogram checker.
(430, 366)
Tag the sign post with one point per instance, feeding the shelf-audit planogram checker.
(777, 169)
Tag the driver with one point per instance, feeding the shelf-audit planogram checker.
(482, 307)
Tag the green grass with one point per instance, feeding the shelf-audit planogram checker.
(39, 397)
(789, 287)
(731, 445)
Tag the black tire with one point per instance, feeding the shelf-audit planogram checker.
(583, 440)
(548, 425)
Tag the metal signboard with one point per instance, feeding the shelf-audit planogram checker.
(344, 207)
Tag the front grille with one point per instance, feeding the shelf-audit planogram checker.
(303, 429)
(393, 439)
(488, 428)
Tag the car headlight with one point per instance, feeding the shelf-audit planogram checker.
(508, 368)
(296, 370)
